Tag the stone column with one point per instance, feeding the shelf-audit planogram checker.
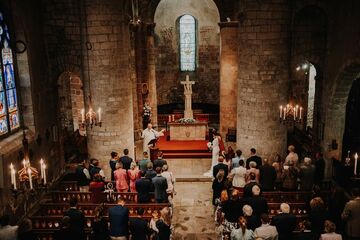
(151, 72)
(111, 86)
(228, 75)
(263, 76)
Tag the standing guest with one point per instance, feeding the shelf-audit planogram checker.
(254, 170)
(336, 205)
(7, 232)
(289, 177)
(267, 176)
(292, 156)
(266, 231)
(248, 187)
(121, 179)
(242, 233)
(96, 169)
(97, 188)
(65, 231)
(238, 175)
(253, 158)
(169, 179)
(143, 187)
(149, 134)
(230, 153)
(317, 216)
(114, 159)
(83, 176)
(319, 168)
(219, 218)
(284, 222)
(119, 220)
(150, 172)
(217, 186)
(126, 160)
(144, 162)
(159, 162)
(278, 181)
(99, 226)
(330, 232)
(164, 224)
(215, 149)
(252, 222)
(77, 219)
(307, 172)
(25, 230)
(160, 186)
(138, 226)
(232, 210)
(351, 215)
(235, 161)
(257, 203)
(219, 166)
(227, 162)
(133, 174)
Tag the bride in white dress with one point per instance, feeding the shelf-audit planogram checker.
(215, 154)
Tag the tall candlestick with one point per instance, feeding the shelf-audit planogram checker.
(355, 165)
(99, 113)
(281, 111)
(30, 178)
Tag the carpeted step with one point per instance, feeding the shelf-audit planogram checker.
(186, 155)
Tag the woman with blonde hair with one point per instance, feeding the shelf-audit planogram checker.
(164, 224)
(330, 232)
(242, 233)
(218, 185)
(121, 178)
(133, 174)
(169, 179)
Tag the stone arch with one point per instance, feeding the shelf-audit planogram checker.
(71, 101)
(336, 112)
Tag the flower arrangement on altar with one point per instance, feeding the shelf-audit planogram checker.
(186, 120)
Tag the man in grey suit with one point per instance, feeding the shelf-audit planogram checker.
(307, 175)
(351, 215)
(160, 185)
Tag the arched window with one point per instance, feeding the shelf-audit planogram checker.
(187, 27)
(311, 97)
(9, 112)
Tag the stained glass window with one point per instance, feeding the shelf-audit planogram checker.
(311, 97)
(187, 26)
(9, 112)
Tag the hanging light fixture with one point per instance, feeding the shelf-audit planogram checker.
(291, 113)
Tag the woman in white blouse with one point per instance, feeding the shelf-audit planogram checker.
(238, 175)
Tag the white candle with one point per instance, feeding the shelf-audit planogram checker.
(44, 173)
(355, 165)
(300, 112)
(12, 174)
(173, 118)
(82, 115)
(284, 116)
(296, 110)
(30, 178)
(294, 113)
(169, 118)
(99, 113)
(281, 111)
(41, 168)
(24, 163)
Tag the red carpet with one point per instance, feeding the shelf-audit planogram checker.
(183, 149)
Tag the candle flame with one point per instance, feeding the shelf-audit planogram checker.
(11, 166)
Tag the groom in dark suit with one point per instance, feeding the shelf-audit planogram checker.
(219, 166)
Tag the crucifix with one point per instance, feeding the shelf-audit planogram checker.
(188, 113)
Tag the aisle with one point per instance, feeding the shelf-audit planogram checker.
(193, 212)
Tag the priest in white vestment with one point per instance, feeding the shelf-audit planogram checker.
(149, 134)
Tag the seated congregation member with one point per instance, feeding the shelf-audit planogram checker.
(238, 175)
(7, 232)
(99, 226)
(169, 179)
(284, 222)
(232, 210)
(143, 187)
(254, 170)
(160, 186)
(330, 232)
(150, 172)
(138, 226)
(289, 177)
(159, 162)
(257, 202)
(253, 158)
(133, 174)
(144, 162)
(83, 176)
(112, 162)
(235, 161)
(121, 178)
(267, 176)
(218, 186)
(126, 160)
(351, 215)
(163, 224)
(307, 174)
(77, 219)
(119, 220)
(248, 187)
(318, 216)
(292, 156)
(242, 233)
(64, 232)
(219, 166)
(25, 231)
(95, 169)
(266, 231)
(97, 187)
(252, 222)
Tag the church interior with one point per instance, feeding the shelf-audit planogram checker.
(83, 79)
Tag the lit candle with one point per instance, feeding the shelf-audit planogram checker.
(300, 112)
(294, 113)
(173, 118)
(296, 110)
(24, 163)
(99, 113)
(284, 116)
(12, 173)
(281, 111)
(41, 168)
(169, 118)
(82, 115)
(44, 173)
(30, 178)
(355, 165)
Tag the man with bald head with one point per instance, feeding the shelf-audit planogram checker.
(285, 222)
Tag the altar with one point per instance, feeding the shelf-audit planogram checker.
(188, 131)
